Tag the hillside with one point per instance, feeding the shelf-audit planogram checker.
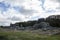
(41, 29)
(50, 25)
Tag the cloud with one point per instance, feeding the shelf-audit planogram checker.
(12, 11)
(24, 11)
(14, 18)
(50, 5)
(57, 1)
(13, 2)
(4, 23)
(47, 6)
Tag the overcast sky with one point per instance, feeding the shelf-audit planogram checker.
(12, 11)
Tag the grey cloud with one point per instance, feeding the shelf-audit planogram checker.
(27, 12)
(10, 20)
(58, 8)
(24, 11)
(58, 1)
(59, 4)
(14, 18)
(4, 23)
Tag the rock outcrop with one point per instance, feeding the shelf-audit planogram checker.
(43, 26)
(54, 20)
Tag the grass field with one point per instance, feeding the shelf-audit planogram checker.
(26, 36)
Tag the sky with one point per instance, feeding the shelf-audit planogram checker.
(12, 11)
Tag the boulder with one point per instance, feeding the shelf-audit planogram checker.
(43, 26)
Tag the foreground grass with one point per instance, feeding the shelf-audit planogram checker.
(26, 36)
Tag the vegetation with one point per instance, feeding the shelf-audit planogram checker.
(25, 24)
(53, 20)
(26, 36)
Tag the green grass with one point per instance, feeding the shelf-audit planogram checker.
(26, 36)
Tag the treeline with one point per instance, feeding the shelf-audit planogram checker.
(25, 24)
(53, 20)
